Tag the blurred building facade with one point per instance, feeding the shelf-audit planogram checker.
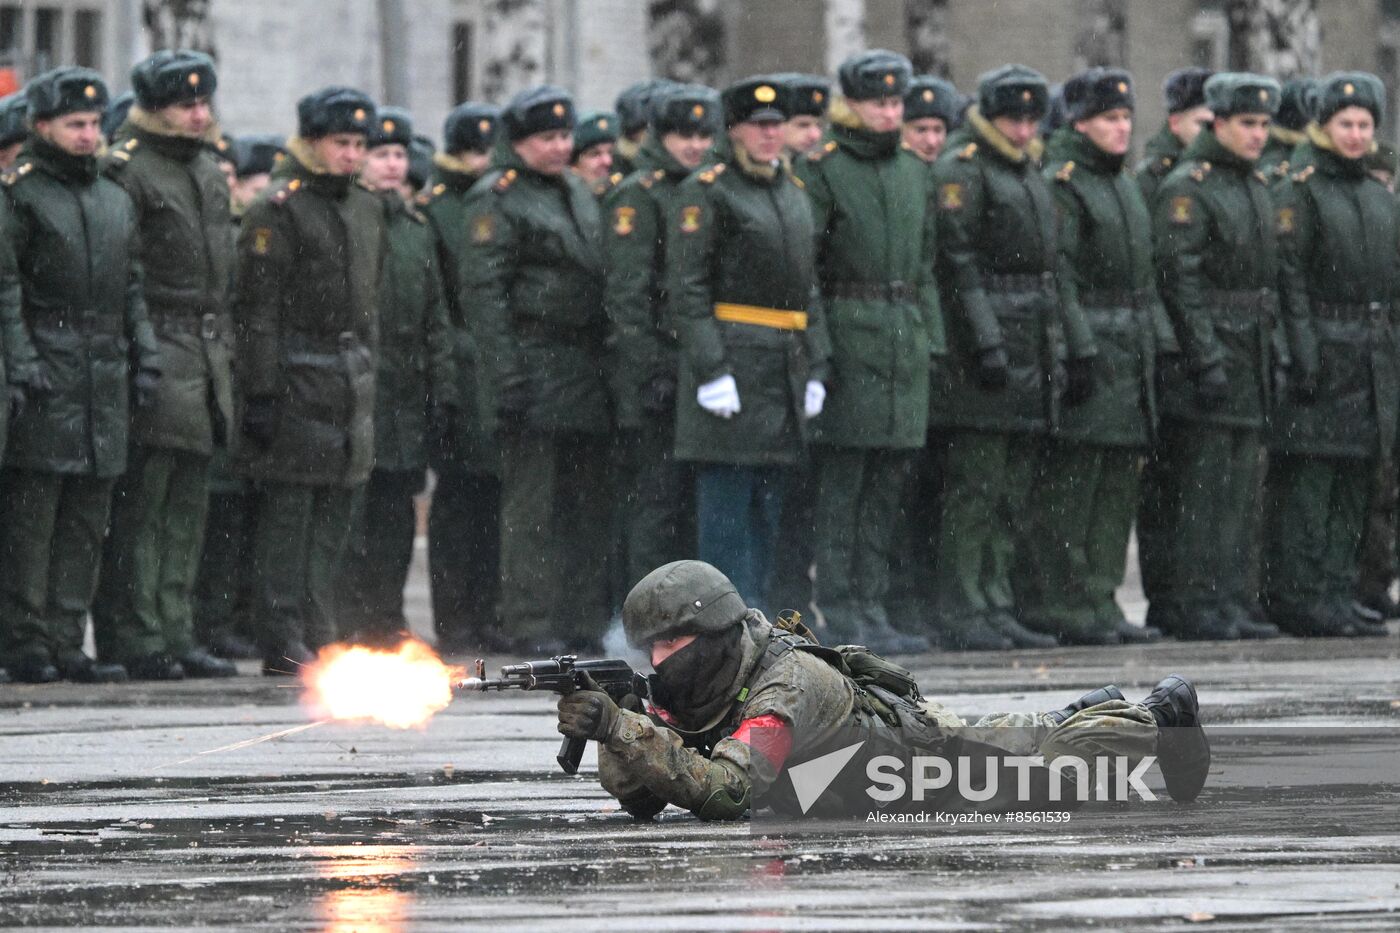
(429, 54)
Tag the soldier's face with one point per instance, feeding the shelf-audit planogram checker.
(78, 134)
(1110, 131)
(803, 133)
(1186, 125)
(687, 148)
(663, 648)
(595, 162)
(385, 167)
(1244, 134)
(1019, 130)
(474, 162)
(1352, 130)
(880, 114)
(340, 153)
(762, 141)
(547, 153)
(926, 136)
(190, 117)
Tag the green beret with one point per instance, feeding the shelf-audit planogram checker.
(334, 110)
(594, 127)
(13, 124)
(1013, 91)
(170, 77)
(803, 95)
(471, 127)
(1296, 103)
(759, 100)
(256, 155)
(1096, 91)
(538, 110)
(633, 105)
(65, 90)
(929, 96)
(876, 73)
(1233, 92)
(1343, 89)
(686, 108)
(393, 126)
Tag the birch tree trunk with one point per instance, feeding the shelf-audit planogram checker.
(1282, 38)
(926, 26)
(515, 46)
(845, 31)
(686, 40)
(178, 24)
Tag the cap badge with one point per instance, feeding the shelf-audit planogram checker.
(1349, 88)
(698, 111)
(194, 79)
(1122, 87)
(602, 124)
(90, 91)
(1026, 96)
(359, 114)
(818, 97)
(928, 97)
(764, 94)
(1264, 94)
(889, 80)
(388, 126)
(558, 110)
(484, 126)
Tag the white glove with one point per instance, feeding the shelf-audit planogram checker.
(815, 399)
(719, 397)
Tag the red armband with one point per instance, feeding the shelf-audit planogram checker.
(768, 734)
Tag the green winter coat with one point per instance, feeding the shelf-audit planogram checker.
(1159, 157)
(187, 241)
(533, 271)
(75, 239)
(996, 261)
(310, 252)
(1340, 244)
(644, 350)
(742, 236)
(16, 352)
(1217, 259)
(1106, 273)
(1277, 156)
(875, 250)
(445, 206)
(415, 369)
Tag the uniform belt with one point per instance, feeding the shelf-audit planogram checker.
(873, 291)
(1355, 311)
(1019, 282)
(776, 318)
(109, 325)
(1115, 297)
(206, 326)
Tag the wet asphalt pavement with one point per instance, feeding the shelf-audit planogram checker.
(110, 817)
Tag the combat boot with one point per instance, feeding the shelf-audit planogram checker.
(970, 633)
(4, 676)
(34, 669)
(883, 638)
(1322, 619)
(1092, 698)
(1250, 622)
(1020, 637)
(1206, 622)
(200, 662)
(81, 669)
(1368, 622)
(155, 666)
(1183, 751)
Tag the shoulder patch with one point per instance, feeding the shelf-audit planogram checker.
(1066, 171)
(505, 181)
(624, 220)
(1305, 174)
(690, 218)
(484, 229)
(262, 240)
(1182, 210)
(967, 152)
(1285, 220)
(950, 197)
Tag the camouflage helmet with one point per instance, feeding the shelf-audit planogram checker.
(685, 597)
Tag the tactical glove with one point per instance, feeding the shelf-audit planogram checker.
(588, 713)
(1212, 387)
(992, 364)
(260, 420)
(1079, 385)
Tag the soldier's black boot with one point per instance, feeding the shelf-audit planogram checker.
(970, 633)
(1250, 622)
(1183, 751)
(1092, 698)
(4, 676)
(156, 666)
(1206, 622)
(884, 638)
(200, 662)
(1016, 633)
(33, 669)
(1368, 623)
(81, 669)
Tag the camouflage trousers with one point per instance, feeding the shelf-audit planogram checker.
(1108, 729)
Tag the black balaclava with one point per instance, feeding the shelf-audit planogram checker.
(697, 682)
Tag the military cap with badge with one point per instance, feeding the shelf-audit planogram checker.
(334, 110)
(393, 126)
(592, 128)
(1230, 93)
(1344, 89)
(172, 77)
(805, 95)
(875, 74)
(65, 90)
(686, 108)
(1096, 91)
(754, 100)
(930, 96)
(1013, 91)
(538, 110)
(13, 113)
(471, 127)
(257, 154)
